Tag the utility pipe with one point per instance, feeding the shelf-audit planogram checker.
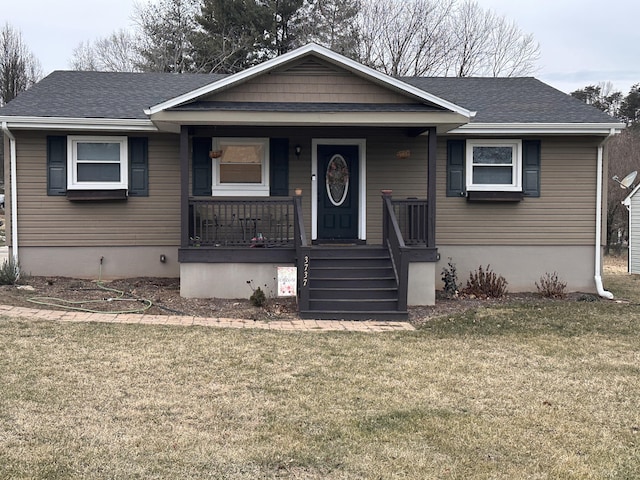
(14, 193)
(598, 246)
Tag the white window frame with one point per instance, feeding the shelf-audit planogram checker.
(240, 189)
(72, 162)
(516, 172)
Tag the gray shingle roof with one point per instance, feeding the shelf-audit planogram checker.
(126, 95)
(511, 100)
(102, 94)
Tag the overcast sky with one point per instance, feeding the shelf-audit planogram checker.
(582, 42)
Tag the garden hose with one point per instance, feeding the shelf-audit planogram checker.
(75, 304)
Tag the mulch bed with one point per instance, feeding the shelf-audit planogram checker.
(61, 293)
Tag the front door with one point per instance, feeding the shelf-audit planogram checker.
(338, 192)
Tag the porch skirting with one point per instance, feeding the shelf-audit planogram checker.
(227, 280)
(421, 290)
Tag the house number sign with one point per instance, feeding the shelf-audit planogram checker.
(305, 271)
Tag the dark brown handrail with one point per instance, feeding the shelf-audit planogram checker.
(392, 239)
(303, 255)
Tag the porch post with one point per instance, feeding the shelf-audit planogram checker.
(431, 187)
(184, 186)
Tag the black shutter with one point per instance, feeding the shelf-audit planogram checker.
(279, 167)
(531, 168)
(201, 165)
(56, 165)
(138, 167)
(455, 168)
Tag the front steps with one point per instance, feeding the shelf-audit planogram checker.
(352, 283)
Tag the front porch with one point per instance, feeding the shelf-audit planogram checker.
(234, 241)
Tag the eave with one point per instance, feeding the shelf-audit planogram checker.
(538, 129)
(65, 123)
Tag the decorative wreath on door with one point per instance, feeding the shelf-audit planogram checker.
(337, 180)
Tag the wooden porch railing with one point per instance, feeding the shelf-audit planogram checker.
(257, 222)
(412, 217)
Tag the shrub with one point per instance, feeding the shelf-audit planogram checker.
(258, 298)
(550, 286)
(450, 279)
(485, 284)
(9, 272)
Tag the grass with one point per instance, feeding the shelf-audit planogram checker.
(543, 390)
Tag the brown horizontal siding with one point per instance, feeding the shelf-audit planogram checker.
(55, 221)
(407, 177)
(563, 215)
(331, 88)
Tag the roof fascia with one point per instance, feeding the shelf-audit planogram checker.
(65, 123)
(323, 53)
(539, 128)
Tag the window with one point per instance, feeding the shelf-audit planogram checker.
(97, 163)
(494, 165)
(240, 166)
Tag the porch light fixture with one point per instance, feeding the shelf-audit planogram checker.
(298, 150)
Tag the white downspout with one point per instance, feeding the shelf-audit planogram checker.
(597, 276)
(14, 193)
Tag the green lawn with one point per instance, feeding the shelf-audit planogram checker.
(544, 390)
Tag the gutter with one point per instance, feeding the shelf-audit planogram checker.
(68, 123)
(14, 193)
(598, 245)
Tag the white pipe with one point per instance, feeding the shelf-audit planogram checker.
(598, 246)
(14, 193)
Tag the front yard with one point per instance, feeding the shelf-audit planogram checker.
(515, 390)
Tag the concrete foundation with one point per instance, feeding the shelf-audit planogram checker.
(522, 266)
(227, 280)
(421, 284)
(84, 262)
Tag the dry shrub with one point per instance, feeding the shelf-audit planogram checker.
(485, 283)
(10, 272)
(551, 286)
(450, 280)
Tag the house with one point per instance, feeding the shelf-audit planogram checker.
(632, 202)
(366, 183)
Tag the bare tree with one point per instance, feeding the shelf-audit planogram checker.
(84, 57)
(442, 37)
(469, 28)
(404, 37)
(19, 69)
(116, 53)
(511, 52)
